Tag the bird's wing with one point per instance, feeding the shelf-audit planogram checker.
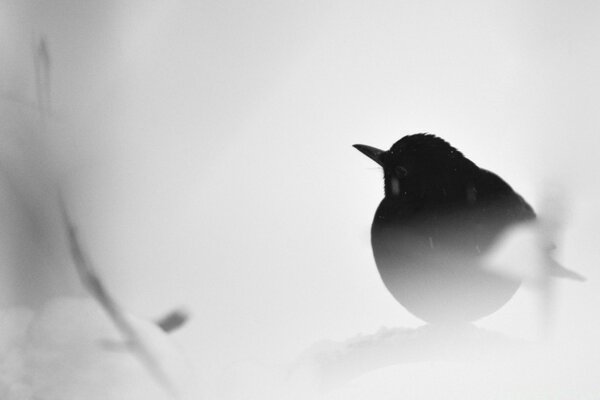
(501, 200)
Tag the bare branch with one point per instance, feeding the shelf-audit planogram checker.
(93, 283)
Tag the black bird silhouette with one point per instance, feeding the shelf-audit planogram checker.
(440, 214)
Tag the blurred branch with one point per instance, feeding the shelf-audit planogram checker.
(93, 283)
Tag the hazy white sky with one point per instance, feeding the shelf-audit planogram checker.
(218, 135)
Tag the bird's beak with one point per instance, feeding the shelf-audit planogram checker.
(371, 152)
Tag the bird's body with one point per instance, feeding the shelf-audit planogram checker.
(440, 214)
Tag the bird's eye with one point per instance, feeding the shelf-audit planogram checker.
(401, 171)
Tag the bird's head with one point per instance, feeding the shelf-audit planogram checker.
(422, 166)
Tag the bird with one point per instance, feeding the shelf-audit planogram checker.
(440, 215)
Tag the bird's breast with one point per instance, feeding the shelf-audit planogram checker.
(429, 260)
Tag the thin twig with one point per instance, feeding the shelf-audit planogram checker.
(93, 283)
(83, 265)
